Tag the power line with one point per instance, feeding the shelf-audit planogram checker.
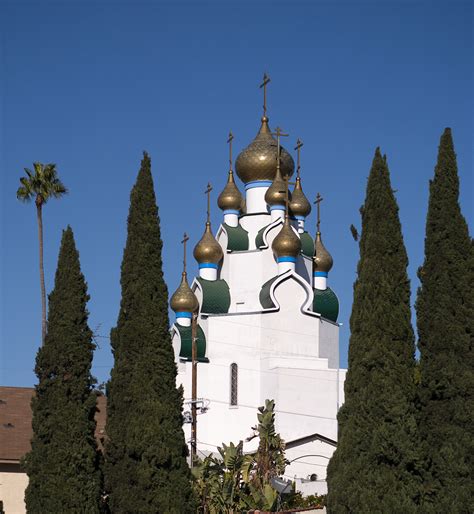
(255, 407)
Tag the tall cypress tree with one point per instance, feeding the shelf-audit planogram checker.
(146, 469)
(372, 469)
(445, 318)
(63, 464)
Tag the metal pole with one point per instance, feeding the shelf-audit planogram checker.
(193, 389)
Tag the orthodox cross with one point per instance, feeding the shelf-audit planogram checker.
(298, 146)
(208, 193)
(266, 80)
(287, 196)
(278, 133)
(184, 241)
(229, 140)
(318, 201)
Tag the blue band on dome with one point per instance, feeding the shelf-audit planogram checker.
(277, 207)
(286, 259)
(320, 274)
(299, 218)
(207, 265)
(231, 211)
(183, 314)
(258, 183)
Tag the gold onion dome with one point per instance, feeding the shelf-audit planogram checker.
(258, 160)
(299, 205)
(286, 243)
(183, 299)
(208, 249)
(275, 194)
(322, 260)
(230, 198)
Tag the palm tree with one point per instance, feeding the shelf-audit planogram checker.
(41, 185)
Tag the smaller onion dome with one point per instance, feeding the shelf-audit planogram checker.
(183, 299)
(230, 198)
(257, 161)
(299, 205)
(286, 243)
(322, 260)
(275, 194)
(208, 250)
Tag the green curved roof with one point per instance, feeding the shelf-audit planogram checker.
(259, 237)
(265, 299)
(307, 244)
(326, 303)
(237, 238)
(186, 344)
(215, 296)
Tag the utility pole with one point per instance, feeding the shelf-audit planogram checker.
(194, 389)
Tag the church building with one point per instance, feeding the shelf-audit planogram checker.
(265, 314)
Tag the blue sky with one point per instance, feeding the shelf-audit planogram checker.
(90, 85)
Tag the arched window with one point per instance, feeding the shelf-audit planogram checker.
(233, 383)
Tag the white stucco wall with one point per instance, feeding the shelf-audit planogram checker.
(13, 483)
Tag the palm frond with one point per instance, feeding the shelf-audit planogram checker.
(43, 182)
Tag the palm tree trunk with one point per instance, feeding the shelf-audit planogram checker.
(41, 265)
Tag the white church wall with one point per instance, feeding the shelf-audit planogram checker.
(252, 224)
(329, 342)
(245, 287)
(289, 330)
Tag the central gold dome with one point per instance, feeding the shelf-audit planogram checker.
(258, 161)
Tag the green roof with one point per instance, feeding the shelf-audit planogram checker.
(186, 343)
(325, 302)
(215, 296)
(259, 236)
(265, 299)
(237, 238)
(307, 244)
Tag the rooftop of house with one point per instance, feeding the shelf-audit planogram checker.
(15, 422)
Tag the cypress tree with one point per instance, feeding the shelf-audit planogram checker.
(145, 468)
(445, 319)
(372, 469)
(63, 464)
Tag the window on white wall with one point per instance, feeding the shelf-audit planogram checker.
(234, 371)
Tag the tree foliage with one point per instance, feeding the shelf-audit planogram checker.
(374, 466)
(445, 319)
(63, 464)
(145, 469)
(235, 482)
(40, 185)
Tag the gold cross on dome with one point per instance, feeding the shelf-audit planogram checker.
(298, 146)
(278, 133)
(229, 140)
(184, 241)
(318, 201)
(208, 193)
(266, 80)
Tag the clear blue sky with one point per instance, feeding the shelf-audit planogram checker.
(89, 85)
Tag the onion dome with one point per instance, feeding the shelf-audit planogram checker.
(322, 260)
(258, 160)
(230, 198)
(299, 205)
(208, 250)
(275, 194)
(183, 299)
(286, 243)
